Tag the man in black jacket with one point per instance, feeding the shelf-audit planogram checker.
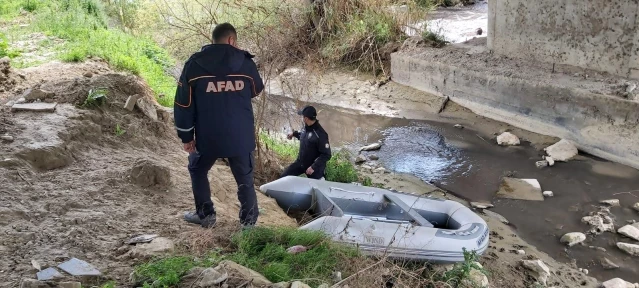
(214, 119)
(315, 150)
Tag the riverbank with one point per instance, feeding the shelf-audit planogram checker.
(468, 162)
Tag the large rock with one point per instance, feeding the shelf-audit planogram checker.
(630, 231)
(146, 173)
(238, 270)
(158, 246)
(632, 249)
(618, 283)
(521, 189)
(539, 270)
(212, 277)
(36, 94)
(371, 147)
(131, 101)
(508, 139)
(360, 159)
(599, 222)
(573, 238)
(148, 107)
(563, 150)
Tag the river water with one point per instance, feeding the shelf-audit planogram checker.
(471, 165)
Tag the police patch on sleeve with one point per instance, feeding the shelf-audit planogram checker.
(327, 146)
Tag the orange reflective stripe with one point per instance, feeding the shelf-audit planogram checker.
(188, 105)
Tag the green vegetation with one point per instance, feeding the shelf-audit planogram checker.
(83, 24)
(95, 98)
(5, 51)
(167, 272)
(434, 39)
(119, 131)
(461, 271)
(262, 249)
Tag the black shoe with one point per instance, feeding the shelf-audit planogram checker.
(209, 221)
(192, 218)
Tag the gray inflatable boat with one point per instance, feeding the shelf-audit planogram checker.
(383, 222)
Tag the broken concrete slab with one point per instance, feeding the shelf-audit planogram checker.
(131, 101)
(548, 194)
(49, 274)
(521, 189)
(34, 107)
(77, 267)
(147, 107)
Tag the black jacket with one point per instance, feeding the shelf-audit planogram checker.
(315, 150)
(213, 101)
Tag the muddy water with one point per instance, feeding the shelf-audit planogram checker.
(471, 165)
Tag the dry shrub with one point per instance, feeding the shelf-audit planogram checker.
(201, 241)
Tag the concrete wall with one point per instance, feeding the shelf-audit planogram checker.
(601, 125)
(593, 34)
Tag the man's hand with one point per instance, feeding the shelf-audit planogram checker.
(310, 171)
(189, 147)
(289, 136)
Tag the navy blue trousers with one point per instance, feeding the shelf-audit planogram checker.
(242, 169)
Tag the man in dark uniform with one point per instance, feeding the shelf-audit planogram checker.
(214, 119)
(315, 151)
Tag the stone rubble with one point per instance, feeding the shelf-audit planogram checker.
(371, 147)
(629, 231)
(631, 249)
(573, 238)
(563, 151)
(540, 271)
(611, 202)
(508, 139)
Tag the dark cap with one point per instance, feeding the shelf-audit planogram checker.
(308, 111)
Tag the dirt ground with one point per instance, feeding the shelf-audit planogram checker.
(71, 187)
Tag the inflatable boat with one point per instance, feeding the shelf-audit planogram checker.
(382, 222)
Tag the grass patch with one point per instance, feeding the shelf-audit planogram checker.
(166, 272)
(83, 24)
(262, 249)
(434, 39)
(5, 51)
